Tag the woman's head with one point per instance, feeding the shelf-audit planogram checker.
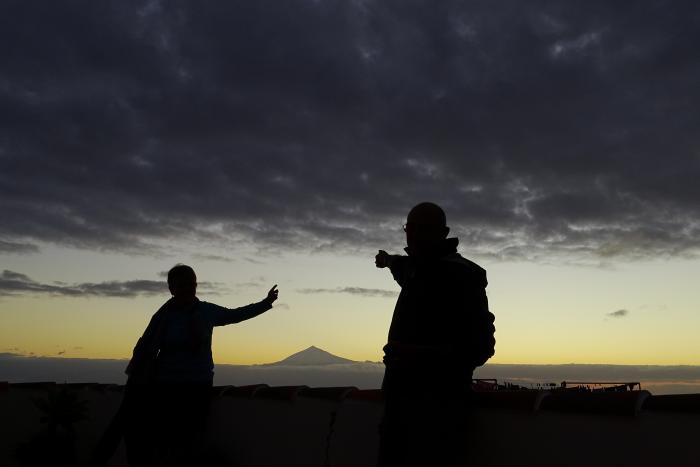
(182, 281)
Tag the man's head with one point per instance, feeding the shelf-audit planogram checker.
(426, 228)
(182, 282)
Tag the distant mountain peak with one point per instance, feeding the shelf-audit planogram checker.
(313, 356)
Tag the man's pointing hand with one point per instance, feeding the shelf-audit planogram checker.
(383, 259)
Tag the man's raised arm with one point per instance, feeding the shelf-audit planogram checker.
(398, 264)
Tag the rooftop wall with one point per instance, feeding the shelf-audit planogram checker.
(308, 427)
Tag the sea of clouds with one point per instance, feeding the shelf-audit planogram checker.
(658, 379)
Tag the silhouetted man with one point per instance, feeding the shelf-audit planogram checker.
(440, 332)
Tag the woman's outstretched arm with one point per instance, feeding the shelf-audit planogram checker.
(224, 316)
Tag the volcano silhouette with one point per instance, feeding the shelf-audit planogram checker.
(312, 356)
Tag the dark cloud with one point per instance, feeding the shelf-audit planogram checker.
(254, 261)
(255, 282)
(545, 129)
(14, 283)
(17, 247)
(202, 257)
(618, 314)
(361, 291)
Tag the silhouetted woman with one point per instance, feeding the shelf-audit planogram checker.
(170, 375)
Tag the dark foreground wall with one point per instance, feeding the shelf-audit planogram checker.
(298, 426)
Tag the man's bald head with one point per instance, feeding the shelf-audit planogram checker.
(426, 229)
(428, 214)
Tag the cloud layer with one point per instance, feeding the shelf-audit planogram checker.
(14, 283)
(657, 379)
(554, 128)
(361, 291)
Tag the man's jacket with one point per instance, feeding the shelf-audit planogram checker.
(441, 323)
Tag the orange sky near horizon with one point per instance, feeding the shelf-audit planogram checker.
(544, 314)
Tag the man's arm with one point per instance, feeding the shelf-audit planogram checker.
(481, 329)
(397, 264)
(483, 342)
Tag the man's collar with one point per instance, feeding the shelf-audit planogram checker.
(446, 247)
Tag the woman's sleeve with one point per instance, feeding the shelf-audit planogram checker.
(223, 316)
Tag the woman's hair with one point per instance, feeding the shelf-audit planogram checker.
(179, 272)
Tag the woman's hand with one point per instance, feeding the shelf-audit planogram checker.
(272, 295)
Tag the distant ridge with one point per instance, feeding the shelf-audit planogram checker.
(312, 356)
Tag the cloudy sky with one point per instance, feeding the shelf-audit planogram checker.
(284, 142)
